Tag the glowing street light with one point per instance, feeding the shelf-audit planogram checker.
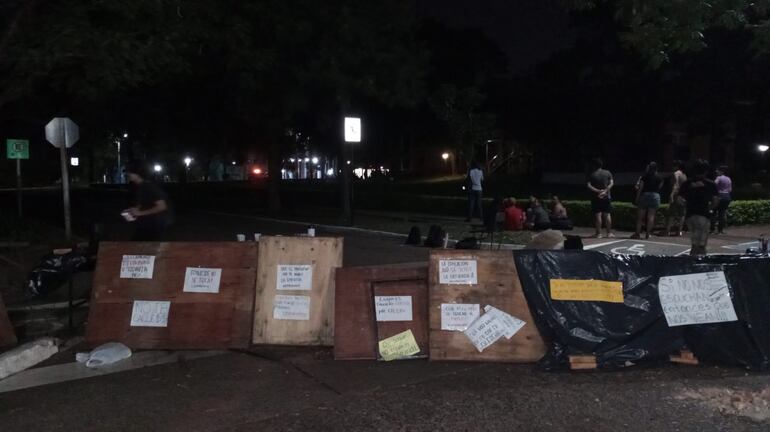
(157, 168)
(315, 160)
(445, 156)
(187, 161)
(258, 171)
(352, 129)
(763, 147)
(348, 162)
(307, 160)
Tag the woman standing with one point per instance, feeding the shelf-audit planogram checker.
(676, 207)
(647, 199)
(724, 189)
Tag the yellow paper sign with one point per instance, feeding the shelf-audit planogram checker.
(400, 345)
(587, 290)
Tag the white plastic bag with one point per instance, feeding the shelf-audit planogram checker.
(103, 355)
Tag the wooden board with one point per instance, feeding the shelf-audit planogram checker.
(498, 286)
(195, 320)
(324, 254)
(356, 330)
(7, 335)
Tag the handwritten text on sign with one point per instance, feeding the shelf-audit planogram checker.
(698, 298)
(137, 266)
(150, 313)
(458, 316)
(289, 307)
(295, 277)
(457, 272)
(485, 331)
(511, 324)
(587, 290)
(202, 280)
(398, 346)
(393, 308)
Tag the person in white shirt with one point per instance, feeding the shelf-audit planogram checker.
(475, 177)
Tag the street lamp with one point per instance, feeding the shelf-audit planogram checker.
(157, 168)
(187, 161)
(315, 160)
(445, 156)
(352, 134)
(763, 148)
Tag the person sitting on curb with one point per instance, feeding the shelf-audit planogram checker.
(559, 219)
(537, 217)
(514, 216)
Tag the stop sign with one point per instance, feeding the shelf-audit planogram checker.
(61, 131)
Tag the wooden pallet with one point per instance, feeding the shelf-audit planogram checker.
(582, 362)
(684, 357)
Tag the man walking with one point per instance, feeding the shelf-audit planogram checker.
(701, 198)
(475, 177)
(150, 211)
(600, 183)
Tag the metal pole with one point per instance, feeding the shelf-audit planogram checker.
(352, 181)
(65, 187)
(120, 173)
(18, 188)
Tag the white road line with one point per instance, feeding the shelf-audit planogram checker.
(598, 245)
(683, 253)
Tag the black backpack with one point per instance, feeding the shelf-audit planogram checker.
(435, 237)
(415, 237)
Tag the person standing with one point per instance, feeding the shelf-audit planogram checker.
(701, 197)
(150, 211)
(647, 199)
(600, 183)
(475, 178)
(724, 189)
(676, 207)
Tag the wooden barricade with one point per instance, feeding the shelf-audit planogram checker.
(294, 303)
(464, 281)
(7, 335)
(357, 329)
(180, 295)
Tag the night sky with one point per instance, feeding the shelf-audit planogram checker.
(528, 31)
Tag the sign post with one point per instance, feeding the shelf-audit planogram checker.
(352, 129)
(63, 133)
(18, 149)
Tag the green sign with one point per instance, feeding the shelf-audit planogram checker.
(17, 148)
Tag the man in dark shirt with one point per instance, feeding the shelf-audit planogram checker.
(701, 197)
(150, 205)
(600, 183)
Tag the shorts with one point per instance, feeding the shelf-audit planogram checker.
(677, 207)
(601, 205)
(649, 201)
(699, 227)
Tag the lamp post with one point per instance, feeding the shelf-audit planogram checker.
(763, 149)
(352, 134)
(187, 161)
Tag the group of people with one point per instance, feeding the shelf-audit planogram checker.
(535, 217)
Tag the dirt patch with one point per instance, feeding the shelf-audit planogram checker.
(754, 405)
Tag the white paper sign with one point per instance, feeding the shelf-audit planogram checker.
(393, 308)
(137, 266)
(511, 324)
(295, 277)
(457, 272)
(698, 298)
(202, 280)
(150, 313)
(289, 307)
(485, 331)
(458, 316)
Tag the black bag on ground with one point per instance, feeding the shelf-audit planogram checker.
(435, 237)
(415, 237)
(53, 272)
(468, 243)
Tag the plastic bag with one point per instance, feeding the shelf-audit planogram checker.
(53, 271)
(103, 355)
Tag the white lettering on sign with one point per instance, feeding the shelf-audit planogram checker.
(457, 272)
(295, 277)
(485, 331)
(150, 313)
(698, 298)
(289, 307)
(511, 324)
(393, 308)
(202, 280)
(458, 316)
(137, 266)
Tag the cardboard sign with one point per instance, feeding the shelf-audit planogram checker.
(393, 308)
(398, 346)
(137, 266)
(458, 316)
(698, 298)
(587, 290)
(485, 331)
(289, 307)
(294, 277)
(457, 272)
(150, 313)
(511, 324)
(202, 280)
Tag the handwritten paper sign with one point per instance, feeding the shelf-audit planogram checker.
(150, 313)
(587, 290)
(202, 280)
(137, 266)
(393, 308)
(698, 298)
(485, 331)
(295, 277)
(511, 324)
(289, 307)
(457, 272)
(458, 316)
(398, 346)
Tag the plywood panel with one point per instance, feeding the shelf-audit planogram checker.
(7, 335)
(498, 285)
(324, 254)
(196, 320)
(356, 329)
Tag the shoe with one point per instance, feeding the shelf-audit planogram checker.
(596, 236)
(635, 236)
(610, 235)
(647, 236)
